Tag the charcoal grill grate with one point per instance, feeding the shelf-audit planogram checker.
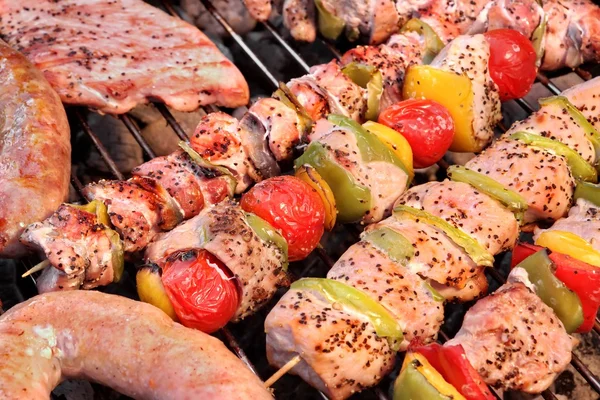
(232, 335)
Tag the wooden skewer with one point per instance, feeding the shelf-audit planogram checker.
(36, 268)
(283, 370)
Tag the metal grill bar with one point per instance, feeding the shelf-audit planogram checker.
(286, 46)
(164, 111)
(137, 134)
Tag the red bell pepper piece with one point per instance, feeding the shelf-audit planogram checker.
(580, 277)
(452, 363)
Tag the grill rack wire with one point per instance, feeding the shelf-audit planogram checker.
(231, 339)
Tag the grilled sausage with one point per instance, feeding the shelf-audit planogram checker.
(130, 346)
(35, 149)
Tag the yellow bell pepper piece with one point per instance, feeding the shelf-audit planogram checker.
(570, 244)
(310, 175)
(395, 141)
(433, 376)
(451, 90)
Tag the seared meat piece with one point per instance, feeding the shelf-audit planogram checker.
(469, 55)
(448, 18)
(436, 256)
(299, 18)
(586, 97)
(77, 245)
(478, 215)
(555, 122)
(53, 280)
(223, 231)
(520, 15)
(384, 21)
(340, 350)
(475, 288)
(259, 9)
(112, 55)
(217, 139)
(310, 96)
(402, 292)
(190, 185)
(542, 178)
(583, 220)
(513, 339)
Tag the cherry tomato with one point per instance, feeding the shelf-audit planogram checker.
(203, 291)
(512, 62)
(291, 206)
(427, 125)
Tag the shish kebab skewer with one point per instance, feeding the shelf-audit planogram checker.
(532, 173)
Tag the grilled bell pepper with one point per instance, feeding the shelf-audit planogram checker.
(588, 191)
(418, 380)
(591, 132)
(116, 245)
(454, 367)
(371, 148)
(310, 175)
(267, 233)
(369, 78)
(483, 183)
(330, 26)
(570, 244)
(285, 95)
(151, 290)
(477, 253)
(392, 243)
(385, 323)
(565, 303)
(433, 43)
(352, 199)
(537, 39)
(395, 141)
(451, 90)
(435, 295)
(582, 278)
(201, 162)
(579, 167)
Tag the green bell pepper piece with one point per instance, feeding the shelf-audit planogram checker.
(412, 385)
(267, 233)
(285, 95)
(392, 243)
(433, 43)
(537, 39)
(201, 162)
(386, 325)
(369, 145)
(352, 199)
(589, 192)
(477, 253)
(434, 293)
(98, 208)
(370, 78)
(579, 167)
(565, 303)
(483, 183)
(330, 26)
(592, 134)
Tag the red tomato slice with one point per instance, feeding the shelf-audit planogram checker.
(452, 363)
(291, 206)
(427, 126)
(512, 62)
(203, 291)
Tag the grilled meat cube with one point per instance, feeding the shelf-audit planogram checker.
(586, 97)
(542, 178)
(223, 231)
(475, 288)
(253, 134)
(436, 256)
(217, 139)
(450, 18)
(313, 100)
(340, 350)
(469, 55)
(259, 9)
(299, 18)
(385, 20)
(111, 55)
(402, 292)
(77, 245)
(520, 15)
(513, 339)
(583, 220)
(476, 214)
(55, 280)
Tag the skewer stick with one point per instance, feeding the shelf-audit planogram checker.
(38, 267)
(283, 370)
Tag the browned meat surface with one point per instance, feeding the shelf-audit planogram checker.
(35, 150)
(542, 178)
(395, 287)
(299, 18)
(223, 231)
(513, 339)
(476, 214)
(76, 245)
(310, 96)
(341, 353)
(259, 9)
(520, 15)
(586, 97)
(113, 55)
